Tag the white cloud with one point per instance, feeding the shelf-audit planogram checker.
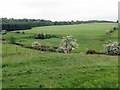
(60, 9)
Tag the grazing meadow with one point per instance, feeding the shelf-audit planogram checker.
(28, 68)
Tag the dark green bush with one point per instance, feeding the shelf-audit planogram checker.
(44, 36)
(12, 40)
(51, 49)
(112, 48)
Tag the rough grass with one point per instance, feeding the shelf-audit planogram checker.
(66, 71)
(31, 68)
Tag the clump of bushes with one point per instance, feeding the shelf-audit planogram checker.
(91, 52)
(44, 36)
(108, 32)
(115, 28)
(18, 32)
(44, 48)
(12, 40)
(23, 32)
(51, 49)
(112, 48)
(36, 45)
(61, 50)
(3, 32)
(67, 45)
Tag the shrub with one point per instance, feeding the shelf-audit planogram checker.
(44, 48)
(112, 48)
(36, 45)
(115, 28)
(68, 43)
(40, 36)
(3, 32)
(111, 30)
(23, 32)
(18, 32)
(61, 50)
(44, 36)
(91, 52)
(51, 49)
(12, 40)
(108, 32)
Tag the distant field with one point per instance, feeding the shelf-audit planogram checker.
(24, 67)
(85, 34)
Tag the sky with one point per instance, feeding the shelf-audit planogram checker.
(60, 10)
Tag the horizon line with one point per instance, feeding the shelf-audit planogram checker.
(64, 20)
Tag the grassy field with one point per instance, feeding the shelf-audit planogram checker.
(23, 67)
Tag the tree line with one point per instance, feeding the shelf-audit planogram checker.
(23, 24)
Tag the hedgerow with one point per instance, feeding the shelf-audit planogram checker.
(112, 48)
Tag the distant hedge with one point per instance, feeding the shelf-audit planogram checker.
(23, 24)
(44, 36)
(16, 26)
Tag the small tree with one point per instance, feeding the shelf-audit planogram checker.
(115, 28)
(112, 48)
(68, 44)
(36, 45)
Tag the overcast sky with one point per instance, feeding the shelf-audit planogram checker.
(60, 10)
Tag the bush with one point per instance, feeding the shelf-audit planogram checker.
(12, 40)
(115, 28)
(44, 48)
(36, 45)
(40, 36)
(61, 50)
(112, 48)
(3, 32)
(108, 32)
(23, 32)
(44, 36)
(68, 44)
(91, 52)
(18, 32)
(51, 49)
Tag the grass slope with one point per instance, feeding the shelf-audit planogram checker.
(31, 68)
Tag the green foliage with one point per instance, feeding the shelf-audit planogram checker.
(113, 29)
(12, 40)
(61, 50)
(23, 24)
(44, 36)
(51, 49)
(3, 32)
(112, 48)
(36, 45)
(68, 44)
(23, 32)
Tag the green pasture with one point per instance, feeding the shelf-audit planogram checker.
(89, 36)
(24, 68)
